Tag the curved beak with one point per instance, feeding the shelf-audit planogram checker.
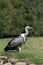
(31, 27)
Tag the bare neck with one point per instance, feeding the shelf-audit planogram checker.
(26, 32)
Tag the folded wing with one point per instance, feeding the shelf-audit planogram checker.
(16, 42)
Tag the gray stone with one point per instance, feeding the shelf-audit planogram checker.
(1, 62)
(20, 63)
(12, 60)
(3, 57)
(7, 63)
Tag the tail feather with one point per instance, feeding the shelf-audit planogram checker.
(6, 48)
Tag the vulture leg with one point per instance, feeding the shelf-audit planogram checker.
(18, 49)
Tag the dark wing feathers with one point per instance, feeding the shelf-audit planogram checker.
(16, 41)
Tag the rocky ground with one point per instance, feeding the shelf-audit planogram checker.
(12, 61)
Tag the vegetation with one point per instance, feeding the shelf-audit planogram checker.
(16, 14)
(32, 51)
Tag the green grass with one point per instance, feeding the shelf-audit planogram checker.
(32, 51)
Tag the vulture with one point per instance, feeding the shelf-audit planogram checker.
(17, 42)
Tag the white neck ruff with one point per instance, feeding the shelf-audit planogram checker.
(23, 35)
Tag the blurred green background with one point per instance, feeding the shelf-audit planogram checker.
(16, 14)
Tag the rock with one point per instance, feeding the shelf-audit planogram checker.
(1, 62)
(12, 60)
(7, 63)
(20, 63)
(3, 57)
